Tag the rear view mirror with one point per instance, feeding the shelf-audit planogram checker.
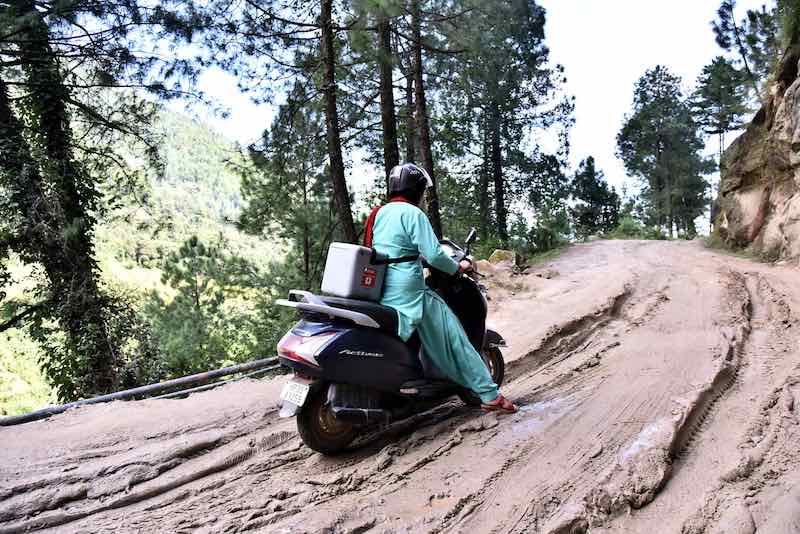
(471, 236)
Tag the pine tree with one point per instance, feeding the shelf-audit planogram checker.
(340, 194)
(391, 152)
(287, 194)
(659, 142)
(754, 40)
(597, 206)
(502, 90)
(421, 118)
(271, 45)
(201, 327)
(718, 102)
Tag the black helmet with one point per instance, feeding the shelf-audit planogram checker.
(409, 180)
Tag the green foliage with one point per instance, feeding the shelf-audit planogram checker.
(145, 230)
(498, 99)
(194, 191)
(660, 143)
(719, 101)
(630, 228)
(131, 219)
(287, 192)
(789, 15)
(210, 321)
(754, 40)
(23, 387)
(597, 206)
(199, 177)
(59, 130)
(136, 361)
(550, 230)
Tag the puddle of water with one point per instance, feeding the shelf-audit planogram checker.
(531, 418)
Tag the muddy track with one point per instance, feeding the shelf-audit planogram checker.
(730, 355)
(564, 340)
(657, 381)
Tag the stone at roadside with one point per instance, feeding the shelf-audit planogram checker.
(519, 270)
(547, 274)
(500, 256)
(484, 267)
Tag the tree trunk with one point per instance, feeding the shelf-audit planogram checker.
(743, 54)
(669, 201)
(497, 175)
(391, 154)
(483, 184)
(306, 234)
(340, 194)
(24, 185)
(411, 125)
(659, 187)
(81, 304)
(423, 127)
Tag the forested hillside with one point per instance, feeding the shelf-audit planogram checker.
(194, 281)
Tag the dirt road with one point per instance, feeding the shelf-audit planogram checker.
(659, 385)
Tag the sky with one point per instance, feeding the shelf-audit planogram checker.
(604, 46)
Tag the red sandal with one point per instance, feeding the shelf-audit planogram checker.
(500, 404)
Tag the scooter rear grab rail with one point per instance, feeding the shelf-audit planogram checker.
(298, 295)
(314, 304)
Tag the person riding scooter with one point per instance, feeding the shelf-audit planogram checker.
(401, 229)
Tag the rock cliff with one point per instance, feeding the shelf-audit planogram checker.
(759, 200)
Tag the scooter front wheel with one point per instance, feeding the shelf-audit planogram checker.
(318, 427)
(494, 361)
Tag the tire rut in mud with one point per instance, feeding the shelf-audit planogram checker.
(563, 340)
(572, 339)
(731, 349)
(746, 492)
(129, 483)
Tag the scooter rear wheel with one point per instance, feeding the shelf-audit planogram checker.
(493, 359)
(319, 429)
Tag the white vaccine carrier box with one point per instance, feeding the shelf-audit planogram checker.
(353, 272)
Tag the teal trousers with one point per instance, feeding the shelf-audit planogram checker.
(446, 344)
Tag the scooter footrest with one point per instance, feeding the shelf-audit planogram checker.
(426, 388)
(356, 404)
(361, 416)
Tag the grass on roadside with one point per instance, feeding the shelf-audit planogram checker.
(716, 243)
(546, 256)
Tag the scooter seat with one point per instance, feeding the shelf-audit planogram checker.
(383, 315)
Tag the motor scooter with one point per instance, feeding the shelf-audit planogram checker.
(351, 371)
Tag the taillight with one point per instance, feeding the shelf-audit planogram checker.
(304, 349)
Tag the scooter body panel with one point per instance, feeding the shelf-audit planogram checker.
(370, 358)
(465, 300)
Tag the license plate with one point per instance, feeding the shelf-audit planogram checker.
(295, 392)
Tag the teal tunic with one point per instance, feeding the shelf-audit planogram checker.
(402, 229)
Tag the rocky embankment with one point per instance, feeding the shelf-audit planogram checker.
(759, 200)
